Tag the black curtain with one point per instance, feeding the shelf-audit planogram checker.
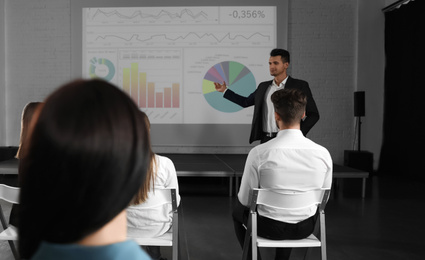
(403, 147)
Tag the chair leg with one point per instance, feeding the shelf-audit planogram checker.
(320, 232)
(13, 248)
(323, 252)
(11, 243)
(246, 244)
(175, 228)
(175, 248)
(307, 253)
(323, 236)
(254, 248)
(247, 240)
(182, 240)
(3, 219)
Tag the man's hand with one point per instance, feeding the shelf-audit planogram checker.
(220, 87)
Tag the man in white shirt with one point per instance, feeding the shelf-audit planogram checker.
(289, 161)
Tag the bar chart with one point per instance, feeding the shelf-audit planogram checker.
(153, 79)
(146, 94)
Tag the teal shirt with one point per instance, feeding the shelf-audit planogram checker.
(118, 251)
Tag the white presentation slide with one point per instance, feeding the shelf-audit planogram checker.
(168, 58)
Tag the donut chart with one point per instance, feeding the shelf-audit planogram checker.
(238, 78)
(101, 68)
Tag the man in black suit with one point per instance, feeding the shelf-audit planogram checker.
(263, 122)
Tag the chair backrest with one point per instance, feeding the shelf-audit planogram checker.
(289, 199)
(160, 196)
(9, 193)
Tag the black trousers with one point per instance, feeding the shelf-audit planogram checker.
(271, 229)
(154, 252)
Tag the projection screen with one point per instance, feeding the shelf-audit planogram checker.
(168, 57)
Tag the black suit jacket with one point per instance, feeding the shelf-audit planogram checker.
(257, 99)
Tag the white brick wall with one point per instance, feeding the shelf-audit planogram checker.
(37, 55)
(321, 40)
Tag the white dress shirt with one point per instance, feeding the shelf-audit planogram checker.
(155, 221)
(289, 161)
(269, 125)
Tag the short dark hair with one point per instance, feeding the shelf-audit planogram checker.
(289, 104)
(284, 54)
(85, 159)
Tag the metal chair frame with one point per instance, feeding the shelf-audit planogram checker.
(10, 233)
(287, 199)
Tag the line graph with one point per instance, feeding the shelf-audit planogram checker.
(110, 16)
(199, 38)
(139, 14)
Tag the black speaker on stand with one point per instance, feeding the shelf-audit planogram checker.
(362, 160)
(359, 111)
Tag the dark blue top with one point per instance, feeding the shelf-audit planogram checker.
(118, 251)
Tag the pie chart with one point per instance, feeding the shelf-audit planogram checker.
(237, 77)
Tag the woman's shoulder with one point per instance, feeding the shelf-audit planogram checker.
(162, 158)
(163, 161)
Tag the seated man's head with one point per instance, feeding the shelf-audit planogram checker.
(289, 106)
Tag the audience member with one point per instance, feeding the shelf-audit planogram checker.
(289, 161)
(86, 157)
(27, 115)
(26, 119)
(153, 222)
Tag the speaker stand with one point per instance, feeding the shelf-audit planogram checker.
(359, 123)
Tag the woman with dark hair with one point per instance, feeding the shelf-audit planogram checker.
(85, 159)
(153, 222)
(27, 115)
(26, 120)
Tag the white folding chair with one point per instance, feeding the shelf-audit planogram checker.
(285, 199)
(10, 233)
(162, 196)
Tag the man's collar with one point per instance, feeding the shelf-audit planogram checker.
(281, 84)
